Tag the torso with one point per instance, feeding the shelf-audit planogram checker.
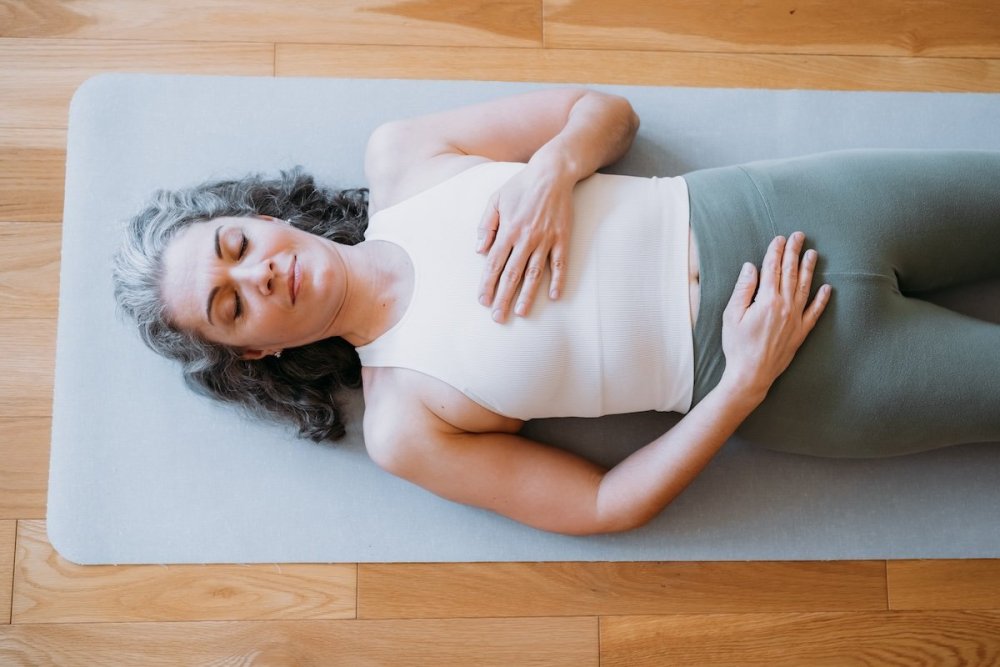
(387, 386)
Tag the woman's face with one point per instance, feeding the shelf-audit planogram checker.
(254, 283)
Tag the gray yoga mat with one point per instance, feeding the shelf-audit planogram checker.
(144, 471)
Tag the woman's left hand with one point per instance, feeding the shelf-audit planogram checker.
(525, 227)
(762, 333)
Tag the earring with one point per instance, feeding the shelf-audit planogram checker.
(277, 355)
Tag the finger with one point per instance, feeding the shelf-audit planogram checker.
(816, 308)
(771, 270)
(488, 226)
(532, 280)
(809, 260)
(495, 263)
(742, 295)
(790, 265)
(508, 283)
(557, 262)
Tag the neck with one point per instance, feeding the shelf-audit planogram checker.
(376, 282)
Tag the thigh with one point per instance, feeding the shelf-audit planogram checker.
(882, 375)
(930, 219)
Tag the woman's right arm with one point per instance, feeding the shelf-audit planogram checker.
(549, 488)
(558, 491)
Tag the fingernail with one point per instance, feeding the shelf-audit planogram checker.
(747, 269)
(484, 300)
(521, 309)
(497, 316)
(554, 294)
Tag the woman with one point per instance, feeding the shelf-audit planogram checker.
(597, 294)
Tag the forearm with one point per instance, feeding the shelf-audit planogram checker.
(638, 488)
(599, 130)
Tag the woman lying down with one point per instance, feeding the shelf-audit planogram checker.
(489, 276)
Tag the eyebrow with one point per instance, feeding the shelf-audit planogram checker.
(211, 295)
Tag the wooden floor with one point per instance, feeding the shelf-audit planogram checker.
(775, 613)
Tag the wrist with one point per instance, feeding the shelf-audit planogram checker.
(558, 165)
(742, 390)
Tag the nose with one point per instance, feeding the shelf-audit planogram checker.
(258, 275)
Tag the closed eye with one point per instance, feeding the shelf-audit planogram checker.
(237, 303)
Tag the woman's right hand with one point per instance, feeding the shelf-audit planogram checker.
(761, 335)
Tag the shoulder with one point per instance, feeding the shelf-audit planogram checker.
(407, 412)
(393, 415)
(399, 165)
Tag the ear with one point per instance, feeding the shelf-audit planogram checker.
(254, 355)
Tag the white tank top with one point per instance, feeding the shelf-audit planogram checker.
(619, 338)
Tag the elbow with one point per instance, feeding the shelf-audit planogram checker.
(623, 526)
(611, 516)
(616, 105)
(605, 525)
(383, 150)
(603, 529)
(631, 120)
(625, 112)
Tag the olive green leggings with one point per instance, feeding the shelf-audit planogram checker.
(883, 373)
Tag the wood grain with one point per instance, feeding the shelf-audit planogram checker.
(523, 642)
(448, 22)
(24, 466)
(38, 76)
(32, 174)
(27, 366)
(29, 269)
(7, 534)
(944, 584)
(708, 613)
(832, 638)
(958, 28)
(50, 589)
(413, 590)
(642, 68)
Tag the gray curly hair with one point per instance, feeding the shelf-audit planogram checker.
(302, 386)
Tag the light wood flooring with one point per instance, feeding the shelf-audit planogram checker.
(766, 613)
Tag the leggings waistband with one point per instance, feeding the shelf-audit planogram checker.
(731, 224)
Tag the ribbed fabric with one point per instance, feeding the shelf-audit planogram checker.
(618, 340)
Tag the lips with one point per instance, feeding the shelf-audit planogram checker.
(294, 278)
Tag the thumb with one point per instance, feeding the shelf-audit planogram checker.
(743, 292)
(488, 225)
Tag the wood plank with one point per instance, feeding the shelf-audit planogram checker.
(482, 642)
(27, 366)
(29, 269)
(831, 638)
(415, 590)
(8, 530)
(39, 76)
(32, 174)
(944, 584)
(447, 22)
(50, 589)
(959, 28)
(24, 466)
(642, 68)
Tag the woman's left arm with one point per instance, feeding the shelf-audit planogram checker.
(564, 135)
